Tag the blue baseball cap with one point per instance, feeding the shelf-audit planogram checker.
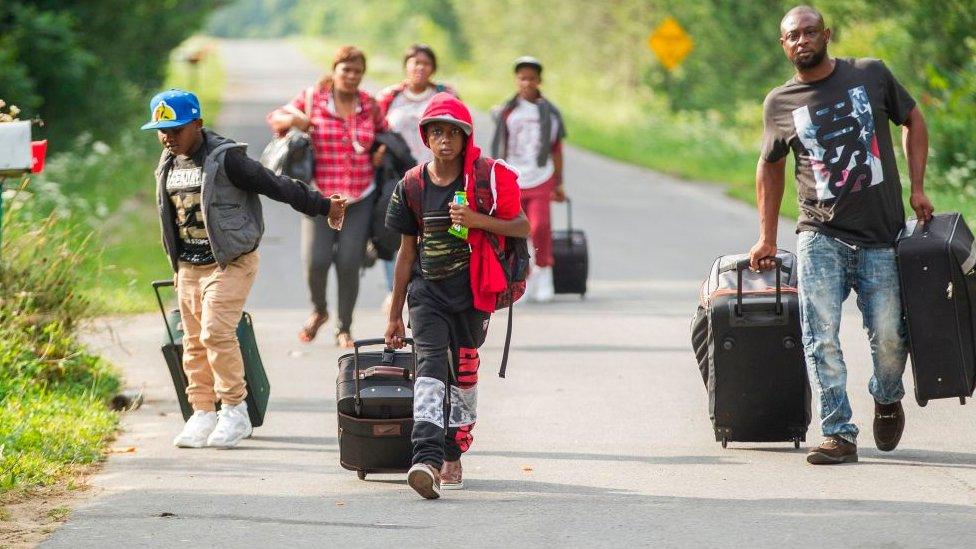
(172, 108)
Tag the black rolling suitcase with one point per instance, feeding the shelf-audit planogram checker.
(258, 387)
(747, 341)
(374, 402)
(571, 262)
(936, 263)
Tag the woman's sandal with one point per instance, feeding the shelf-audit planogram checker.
(311, 327)
(344, 340)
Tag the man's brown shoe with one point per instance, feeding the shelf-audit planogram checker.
(832, 450)
(425, 479)
(889, 423)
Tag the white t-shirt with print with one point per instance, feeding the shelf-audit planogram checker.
(404, 117)
(523, 144)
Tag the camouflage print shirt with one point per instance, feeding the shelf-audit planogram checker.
(440, 274)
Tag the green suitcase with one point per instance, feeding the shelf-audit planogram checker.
(258, 387)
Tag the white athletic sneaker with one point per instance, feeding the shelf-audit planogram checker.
(544, 290)
(233, 424)
(196, 430)
(532, 283)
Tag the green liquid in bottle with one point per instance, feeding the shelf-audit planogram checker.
(460, 197)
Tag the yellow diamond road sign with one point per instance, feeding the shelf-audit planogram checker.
(670, 43)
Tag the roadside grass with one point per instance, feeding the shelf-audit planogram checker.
(53, 413)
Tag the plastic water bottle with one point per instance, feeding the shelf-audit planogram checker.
(460, 197)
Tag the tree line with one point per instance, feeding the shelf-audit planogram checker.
(600, 46)
(87, 66)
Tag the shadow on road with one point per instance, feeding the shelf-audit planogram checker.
(598, 348)
(922, 458)
(653, 460)
(315, 441)
(575, 513)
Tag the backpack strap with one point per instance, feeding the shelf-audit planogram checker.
(508, 342)
(386, 97)
(413, 190)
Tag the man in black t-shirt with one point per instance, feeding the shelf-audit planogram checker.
(834, 115)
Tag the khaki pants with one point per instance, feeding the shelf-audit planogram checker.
(211, 303)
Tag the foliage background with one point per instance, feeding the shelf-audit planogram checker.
(704, 119)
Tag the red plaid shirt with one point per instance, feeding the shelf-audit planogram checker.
(339, 168)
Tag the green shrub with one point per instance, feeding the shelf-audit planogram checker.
(53, 413)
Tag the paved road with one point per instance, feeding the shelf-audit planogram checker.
(599, 436)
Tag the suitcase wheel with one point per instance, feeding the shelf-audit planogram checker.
(962, 400)
(922, 402)
(796, 442)
(361, 474)
(725, 443)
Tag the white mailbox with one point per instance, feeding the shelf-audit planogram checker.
(15, 147)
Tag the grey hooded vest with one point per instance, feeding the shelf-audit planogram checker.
(232, 216)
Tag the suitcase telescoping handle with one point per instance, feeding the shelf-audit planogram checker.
(157, 284)
(569, 216)
(388, 356)
(741, 266)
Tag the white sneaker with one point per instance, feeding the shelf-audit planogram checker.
(196, 430)
(544, 290)
(532, 283)
(233, 424)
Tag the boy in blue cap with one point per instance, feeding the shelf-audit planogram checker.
(207, 195)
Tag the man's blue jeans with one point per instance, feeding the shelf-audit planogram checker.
(829, 270)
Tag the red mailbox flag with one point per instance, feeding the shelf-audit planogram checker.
(38, 152)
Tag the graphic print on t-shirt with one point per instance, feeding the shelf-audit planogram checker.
(183, 186)
(841, 144)
(524, 140)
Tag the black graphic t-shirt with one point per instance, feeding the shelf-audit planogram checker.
(183, 187)
(838, 129)
(440, 274)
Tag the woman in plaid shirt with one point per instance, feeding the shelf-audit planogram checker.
(342, 121)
